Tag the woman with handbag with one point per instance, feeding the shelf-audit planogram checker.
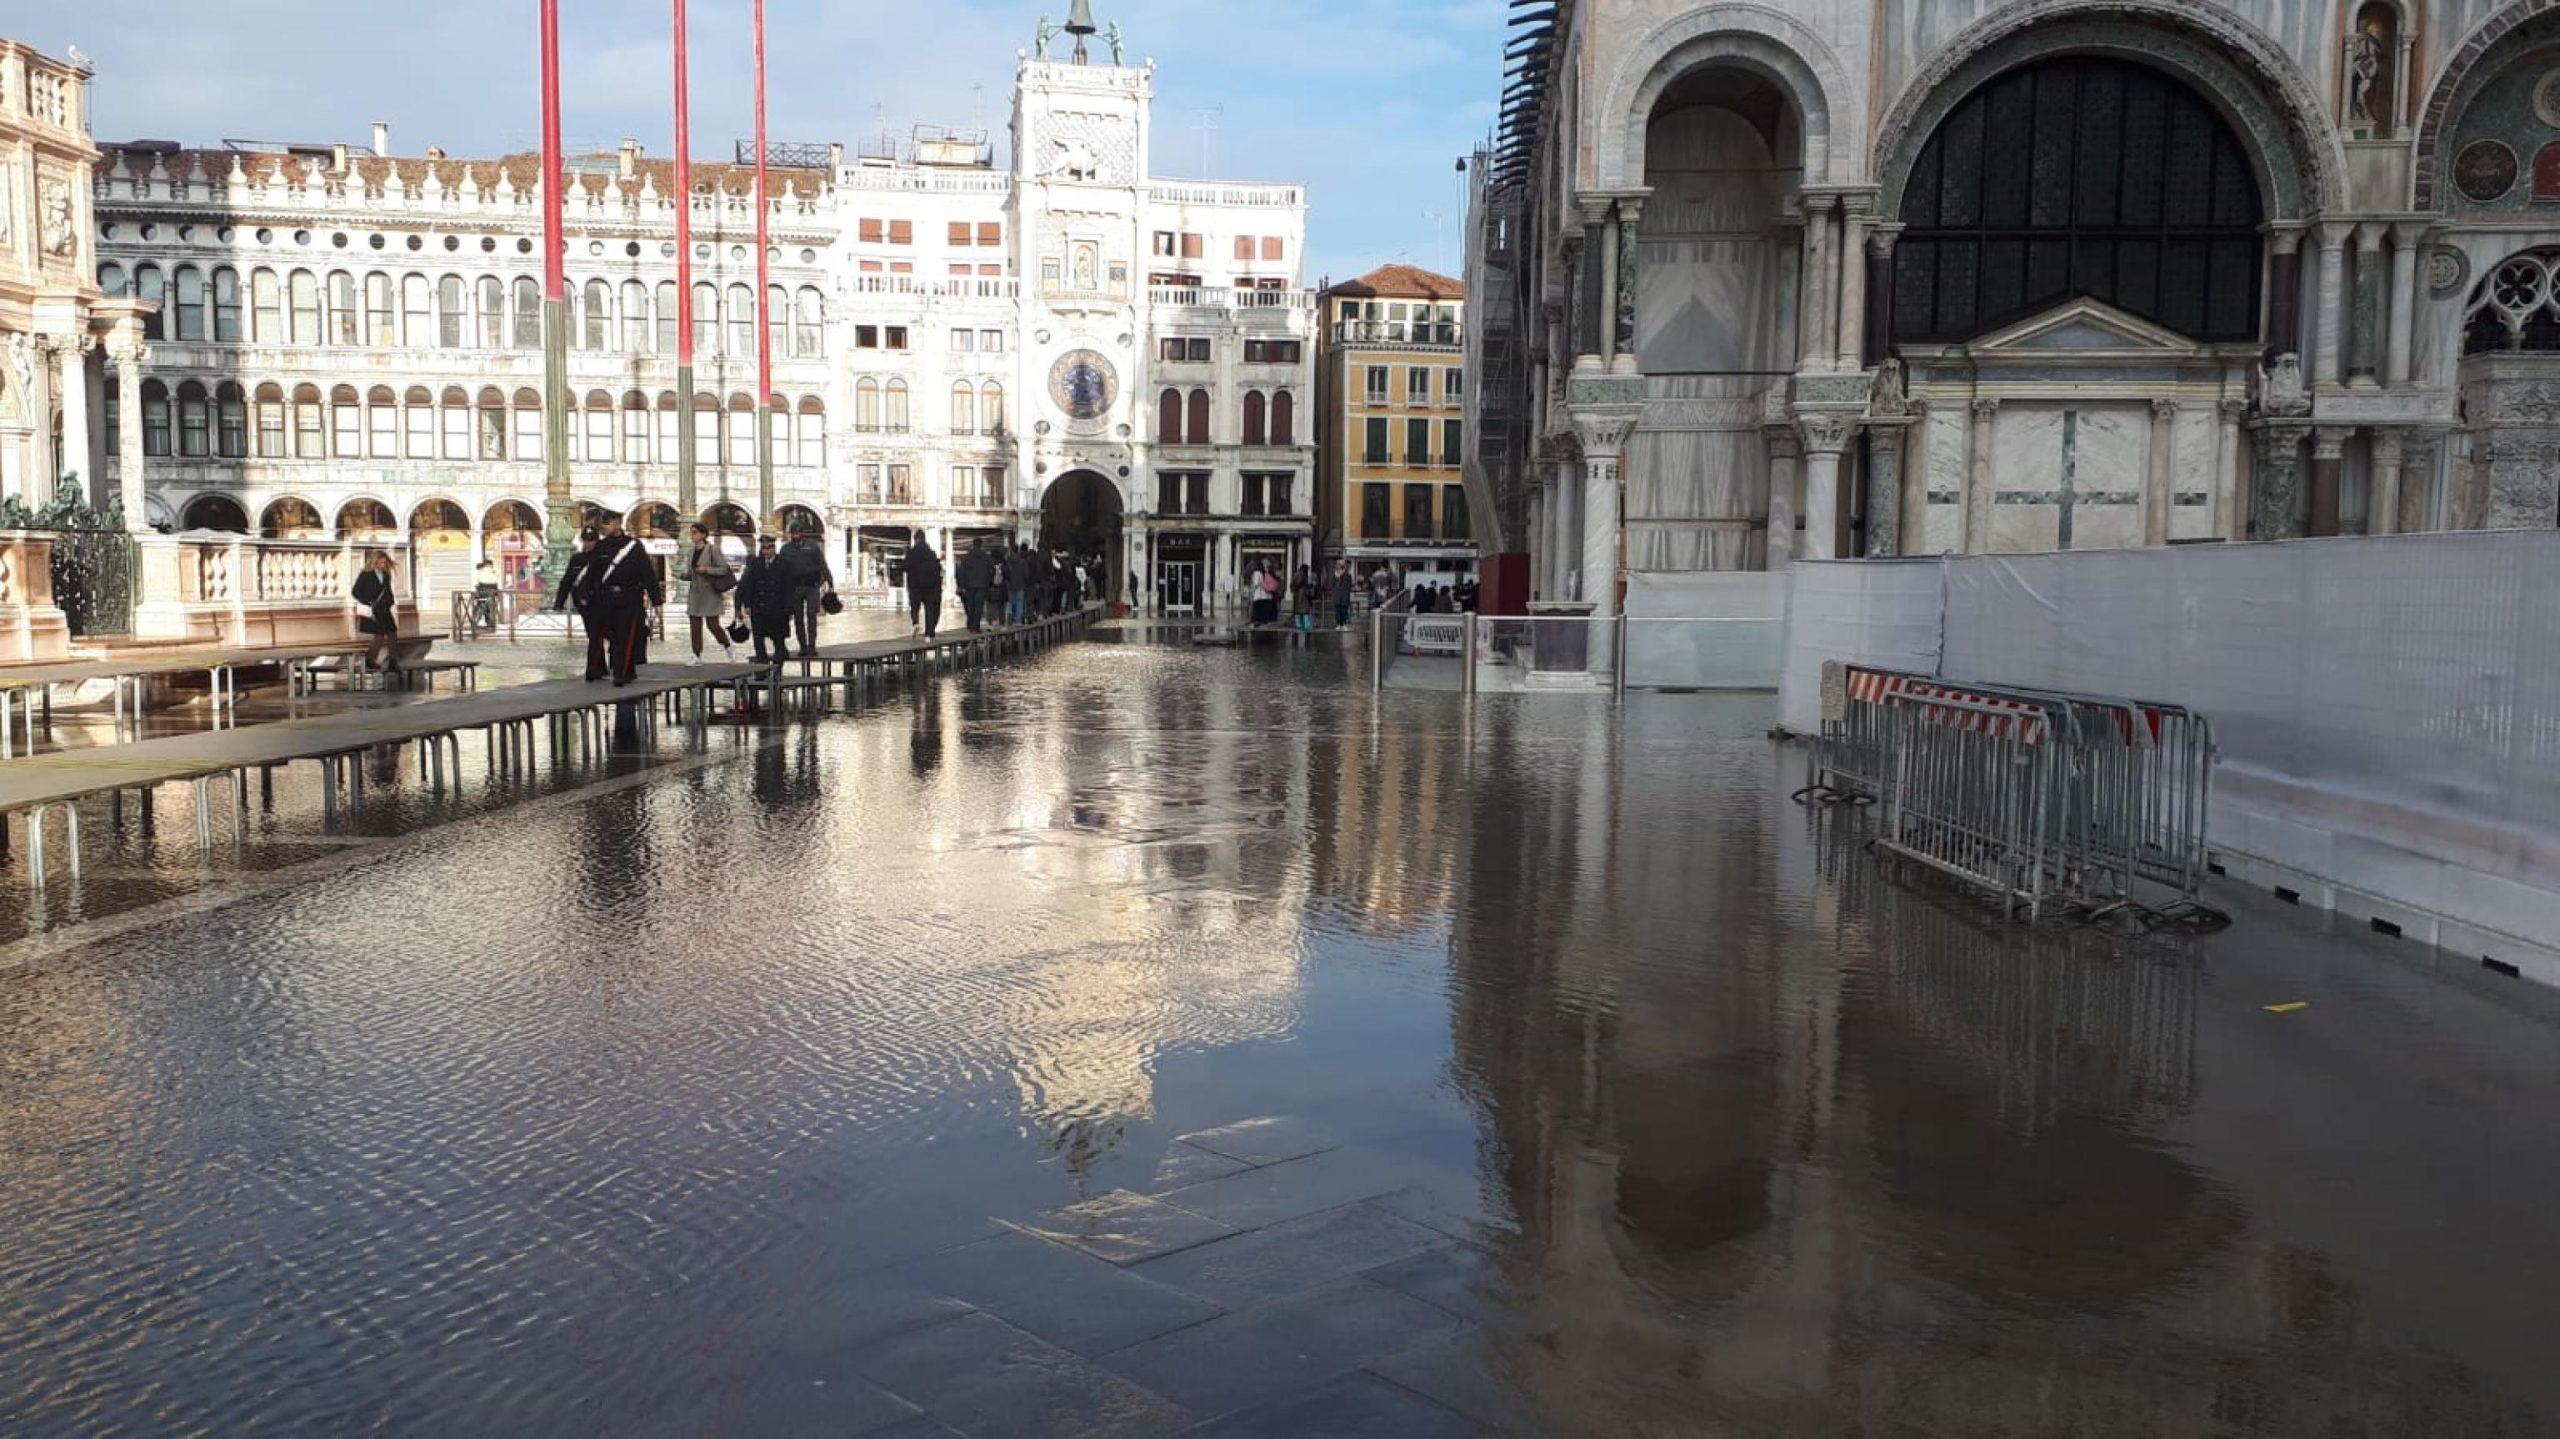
(378, 623)
(706, 597)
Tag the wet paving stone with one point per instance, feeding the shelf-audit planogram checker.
(1184, 1166)
(1281, 1349)
(983, 1377)
(1125, 1228)
(1294, 1254)
(1362, 1406)
(1071, 1299)
(1267, 1140)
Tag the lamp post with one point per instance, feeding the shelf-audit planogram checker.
(764, 299)
(686, 499)
(560, 519)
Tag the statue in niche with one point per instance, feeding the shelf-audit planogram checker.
(54, 233)
(2365, 74)
(2280, 389)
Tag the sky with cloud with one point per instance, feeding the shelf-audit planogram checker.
(1367, 102)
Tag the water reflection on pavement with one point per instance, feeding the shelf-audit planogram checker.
(1139, 1038)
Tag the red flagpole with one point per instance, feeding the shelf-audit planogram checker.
(560, 518)
(764, 293)
(686, 460)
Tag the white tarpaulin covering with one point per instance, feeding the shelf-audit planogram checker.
(2388, 708)
(1705, 631)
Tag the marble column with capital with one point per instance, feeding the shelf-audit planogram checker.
(2275, 489)
(1977, 485)
(2284, 290)
(2328, 452)
(1853, 280)
(2329, 364)
(2382, 510)
(1607, 314)
(1813, 308)
(1825, 436)
(1778, 550)
(2161, 474)
(1630, 230)
(2399, 365)
(1884, 489)
(2364, 298)
(71, 383)
(128, 355)
(1879, 262)
(1911, 451)
(1564, 577)
(1603, 442)
(2230, 517)
(2418, 457)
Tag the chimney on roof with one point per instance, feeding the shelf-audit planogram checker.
(835, 155)
(630, 158)
(435, 152)
(382, 138)
(338, 158)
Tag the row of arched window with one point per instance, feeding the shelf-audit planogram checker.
(305, 307)
(224, 421)
(1270, 419)
(883, 407)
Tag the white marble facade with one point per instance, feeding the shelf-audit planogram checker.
(1718, 194)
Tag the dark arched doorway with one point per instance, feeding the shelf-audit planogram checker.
(1081, 515)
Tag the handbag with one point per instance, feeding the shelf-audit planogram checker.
(738, 632)
(830, 603)
(723, 581)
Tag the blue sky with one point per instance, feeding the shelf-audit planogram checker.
(1367, 103)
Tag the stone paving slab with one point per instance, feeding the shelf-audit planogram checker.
(1448, 1276)
(1060, 1295)
(1267, 1140)
(1125, 1227)
(1326, 1180)
(1362, 1406)
(981, 1376)
(1292, 1255)
(1282, 1349)
(1455, 1372)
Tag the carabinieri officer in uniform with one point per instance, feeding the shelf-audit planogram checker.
(622, 586)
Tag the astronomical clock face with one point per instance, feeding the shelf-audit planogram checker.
(1083, 386)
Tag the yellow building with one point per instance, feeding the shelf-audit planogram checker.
(1391, 387)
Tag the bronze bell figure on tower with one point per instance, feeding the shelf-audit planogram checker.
(1080, 24)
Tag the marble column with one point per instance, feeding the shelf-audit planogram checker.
(1884, 488)
(2328, 448)
(2229, 518)
(1853, 281)
(1779, 549)
(2417, 482)
(1813, 307)
(2399, 365)
(1604, 436)
(2275, 489)
(1977, 484)
(1879, 293)
(2163, 473)
(2364, 295)
(1825, 436)
(1630, 233)
(1566, 576)
(1608, 312)
(1581, 294)
(2284, 290)
(1912, 452)
(71, 382)
(2382, 509)
(2329, 364)
(128, 355)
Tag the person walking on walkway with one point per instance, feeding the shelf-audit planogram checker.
(379, 622)
(573, 592)
(976, 577)
(1340, 592)
(1302, 598)
(1017, 583)
(924, 586)
(804, 562)
(709, 579)
(764, 601)
(623, 588)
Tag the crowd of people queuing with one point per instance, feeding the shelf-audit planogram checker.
(1310, 596)
(999, 584)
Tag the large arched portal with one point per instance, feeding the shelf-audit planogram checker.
(1081, 515)
(1715, 323)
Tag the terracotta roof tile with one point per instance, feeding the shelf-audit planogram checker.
(1402, 282)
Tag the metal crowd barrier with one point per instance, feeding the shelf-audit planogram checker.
(2031, 794)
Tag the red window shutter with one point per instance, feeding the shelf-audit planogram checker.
(1284, 419)
(1190, 246)
(1271, 247)
(1244, 247)
(1253, 414)
(990, 232)
(1169, 418)
(959, 232)
(991, 269)
(1199, 417)
(902, 232)
(871, 232)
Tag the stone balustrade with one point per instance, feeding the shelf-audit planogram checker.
(32, 627)
(233, 590)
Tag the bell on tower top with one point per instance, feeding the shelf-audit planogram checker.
(1080, 24)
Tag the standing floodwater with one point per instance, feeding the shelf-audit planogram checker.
(1137, 1036)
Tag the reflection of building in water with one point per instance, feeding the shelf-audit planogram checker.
(1766, 1126)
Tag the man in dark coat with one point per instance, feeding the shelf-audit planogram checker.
(976, 576)
(804, 564)
(622, 587)
(924, 586)
(573, 592)
(764, 598)
(1017, 583)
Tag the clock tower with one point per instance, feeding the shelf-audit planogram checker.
(1079, 199)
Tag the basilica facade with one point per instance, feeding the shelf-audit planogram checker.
(1838, 279)
(339, 340)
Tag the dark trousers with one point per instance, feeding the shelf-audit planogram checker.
(770, 626)
(623, 615)
(925, 610)
(973, 603)
(804, 617)
(595, 640)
